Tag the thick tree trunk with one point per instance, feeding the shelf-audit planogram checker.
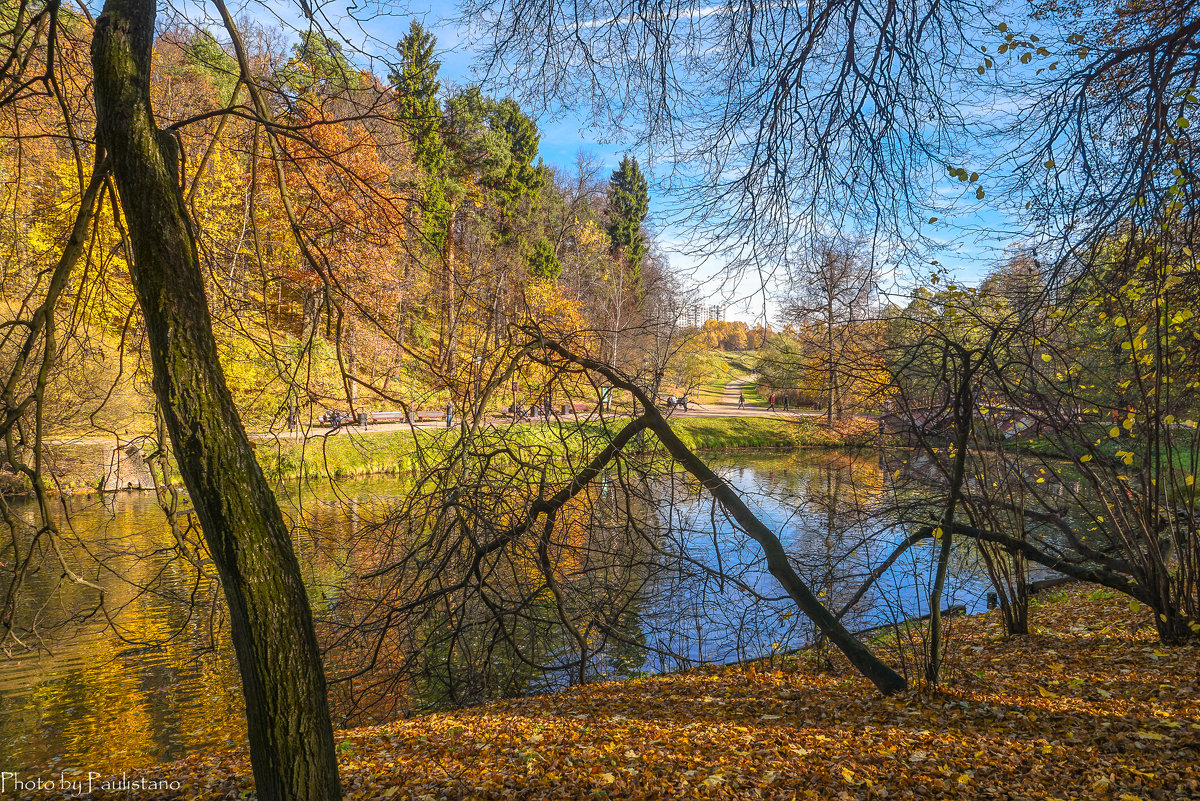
(291, 738)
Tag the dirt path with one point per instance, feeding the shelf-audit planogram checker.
(727, 405)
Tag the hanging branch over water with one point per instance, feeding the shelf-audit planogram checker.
(886, 679)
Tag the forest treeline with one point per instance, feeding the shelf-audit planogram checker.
(416, 222)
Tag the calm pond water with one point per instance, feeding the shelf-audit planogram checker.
(153, 678)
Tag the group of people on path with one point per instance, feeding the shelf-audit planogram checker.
(771, 403)
(534, 411)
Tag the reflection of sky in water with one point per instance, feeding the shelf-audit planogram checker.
(824, 509)
(100, 702)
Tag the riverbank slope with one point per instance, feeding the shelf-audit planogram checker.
(1088, 707)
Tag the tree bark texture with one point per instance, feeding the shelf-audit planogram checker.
(290, 734)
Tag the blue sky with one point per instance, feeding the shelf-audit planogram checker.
(974, 238)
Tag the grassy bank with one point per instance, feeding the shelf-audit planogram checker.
(352, 453)
(347, 453)
(1088, 707)
(723, 367)
(731, 433)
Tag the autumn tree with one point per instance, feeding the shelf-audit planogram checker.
(831, 305)
(1108, 385)
(291, 737)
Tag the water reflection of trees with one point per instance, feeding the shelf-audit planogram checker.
(134, 677)
(459, 597)
(428, 596)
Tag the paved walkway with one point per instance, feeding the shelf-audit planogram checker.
(725, 406)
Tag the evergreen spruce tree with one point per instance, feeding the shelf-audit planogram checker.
(628, 203)
(417, 86)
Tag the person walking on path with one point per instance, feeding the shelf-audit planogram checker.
(771, 402)
(785, 402)
(449, 414)
(741, 400)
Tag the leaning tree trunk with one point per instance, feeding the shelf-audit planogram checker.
(964, 409)
(778, 564)
(291, 738)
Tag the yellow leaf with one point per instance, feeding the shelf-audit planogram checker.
(1086, 458)
(1046, 357)
(1114, 432)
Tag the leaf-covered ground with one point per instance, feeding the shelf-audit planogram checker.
(1088, 707)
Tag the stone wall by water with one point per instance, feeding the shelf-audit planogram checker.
(107, 466)
(126, 468)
